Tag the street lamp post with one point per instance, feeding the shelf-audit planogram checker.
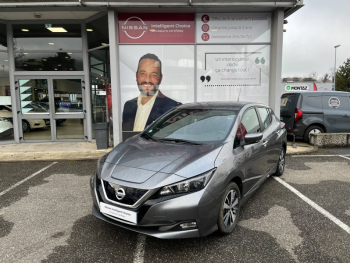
(335, 62)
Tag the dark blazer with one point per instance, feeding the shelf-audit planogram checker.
(161, 105)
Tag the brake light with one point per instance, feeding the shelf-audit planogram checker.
(298, 114)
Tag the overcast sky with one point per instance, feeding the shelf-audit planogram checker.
(312, 33)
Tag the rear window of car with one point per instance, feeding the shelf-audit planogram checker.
(288, 103)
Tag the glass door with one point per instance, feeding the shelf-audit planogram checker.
(51, 108)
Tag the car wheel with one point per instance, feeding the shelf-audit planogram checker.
(229, 210)
(281, 163)
(25, 126)
(312, 130)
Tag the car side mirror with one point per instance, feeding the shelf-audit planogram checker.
(251, 138)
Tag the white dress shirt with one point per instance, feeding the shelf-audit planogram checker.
(143, 112)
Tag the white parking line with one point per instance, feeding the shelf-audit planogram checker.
(21, 182)
(329, 155)
(344, 157)
(140, 249)
(314, 205)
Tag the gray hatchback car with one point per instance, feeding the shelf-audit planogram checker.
(189, 172)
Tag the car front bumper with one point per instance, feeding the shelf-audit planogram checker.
(162, 218)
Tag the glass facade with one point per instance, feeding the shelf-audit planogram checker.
(192, 62)
(100, 75)
(60, 61)
(6, 121)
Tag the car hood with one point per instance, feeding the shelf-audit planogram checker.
(146, 164)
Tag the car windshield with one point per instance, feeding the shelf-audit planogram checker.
(198, 126)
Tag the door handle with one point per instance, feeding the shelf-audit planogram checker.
(265, 143)
(346, 115)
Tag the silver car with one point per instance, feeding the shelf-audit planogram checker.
(189, 172)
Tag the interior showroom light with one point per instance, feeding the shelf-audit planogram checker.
(25, 30)
(51, 43)
(57, 29)
(90, 30)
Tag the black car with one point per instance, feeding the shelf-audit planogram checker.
(189, 172)
(305, 113)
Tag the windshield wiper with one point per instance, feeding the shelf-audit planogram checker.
(149, 136)
(180, 141)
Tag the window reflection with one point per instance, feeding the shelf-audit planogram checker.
(43, 37)
(60, 61)
(3, 37)
(97, 32)
(34, 95)
(68, 95)
(71, 129)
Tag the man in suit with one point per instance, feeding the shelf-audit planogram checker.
(151, 103)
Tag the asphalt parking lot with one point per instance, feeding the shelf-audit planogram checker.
(45, 215)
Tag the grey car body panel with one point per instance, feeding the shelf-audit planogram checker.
(147, 164)
(175, 163)
(320, 113)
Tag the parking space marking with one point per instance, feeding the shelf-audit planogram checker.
(25, 179)
(326, 155)
(314, 205)
(344, 157)
(140, 249)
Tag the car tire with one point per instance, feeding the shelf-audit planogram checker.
(25, 126)
(281, 163)
(229, 209)
(310, 130)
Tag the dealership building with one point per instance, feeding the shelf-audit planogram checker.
(66, 65)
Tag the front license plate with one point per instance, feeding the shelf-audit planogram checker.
(121, 213)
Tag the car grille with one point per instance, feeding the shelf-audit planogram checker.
(132, 195)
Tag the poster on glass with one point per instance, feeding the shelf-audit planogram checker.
(154, 79)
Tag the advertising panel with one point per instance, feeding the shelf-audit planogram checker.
(233, 27)
(154, 79)
(156, 28)
(232, 72)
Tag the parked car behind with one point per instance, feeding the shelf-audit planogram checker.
(6, 129)
(305, 113)
(189, 172)
(27, 124)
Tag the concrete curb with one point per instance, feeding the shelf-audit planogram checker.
(301, 150)
(52, 156)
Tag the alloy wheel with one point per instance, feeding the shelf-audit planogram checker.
(25, 126)
(281, 162)
(230, 208)
(313, 131)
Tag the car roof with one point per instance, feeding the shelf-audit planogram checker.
(331, 93)
(225, 105)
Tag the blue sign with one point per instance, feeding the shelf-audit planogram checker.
(65, 104)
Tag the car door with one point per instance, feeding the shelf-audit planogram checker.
(271, 139)
(254, 159)
(336, 113)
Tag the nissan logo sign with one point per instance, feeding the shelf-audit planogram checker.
(120, 194)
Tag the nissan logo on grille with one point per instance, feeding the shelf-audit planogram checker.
(120, 193)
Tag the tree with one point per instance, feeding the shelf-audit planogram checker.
(313, 76)
(342, 79)
(326, 78)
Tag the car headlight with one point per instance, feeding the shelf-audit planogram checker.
(191, 185)
(100, 164)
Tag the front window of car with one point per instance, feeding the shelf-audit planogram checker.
(202, 126)
(249, 124)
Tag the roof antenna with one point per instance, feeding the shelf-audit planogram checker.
(239, 94)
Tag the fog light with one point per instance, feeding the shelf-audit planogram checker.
(188, 225)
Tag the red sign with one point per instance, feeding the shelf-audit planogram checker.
(156, 28)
